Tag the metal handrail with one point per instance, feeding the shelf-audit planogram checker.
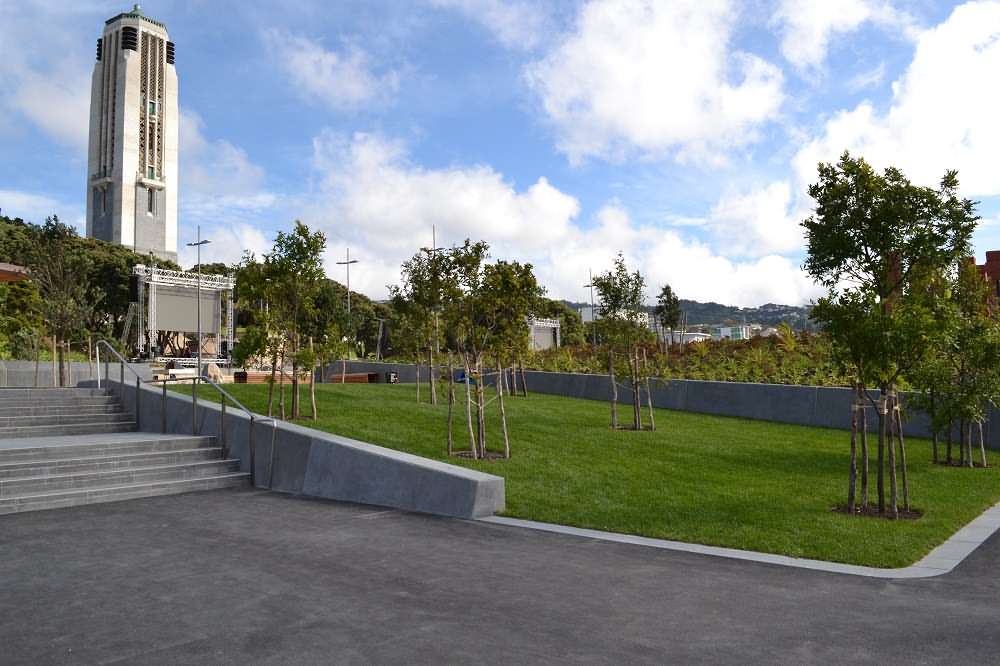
(226, 395)
(121, 360)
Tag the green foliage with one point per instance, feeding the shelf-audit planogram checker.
(620, 299)
(571, 330)
(668, 308)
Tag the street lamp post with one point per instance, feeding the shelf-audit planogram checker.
(348, 263)
(593, 310)
(198, 244)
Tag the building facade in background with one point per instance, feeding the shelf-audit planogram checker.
(132, 159)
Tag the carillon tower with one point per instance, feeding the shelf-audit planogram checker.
(132, 161)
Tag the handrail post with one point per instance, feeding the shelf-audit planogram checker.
(163, 409)
(222, 428)
(194, 406)
(98, 350)
(253, 463)
(121, 374)
(138, 390)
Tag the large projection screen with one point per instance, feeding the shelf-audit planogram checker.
(175, 309)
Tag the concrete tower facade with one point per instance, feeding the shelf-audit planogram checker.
(132, 162)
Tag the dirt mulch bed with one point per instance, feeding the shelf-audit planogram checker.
(490, 455)
(872, 512)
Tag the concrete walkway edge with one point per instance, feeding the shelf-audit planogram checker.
(939, 561)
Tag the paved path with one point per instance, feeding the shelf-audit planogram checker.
(252, 577)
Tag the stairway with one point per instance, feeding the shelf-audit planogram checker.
(71, 446)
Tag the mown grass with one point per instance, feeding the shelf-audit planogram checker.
(712, 480)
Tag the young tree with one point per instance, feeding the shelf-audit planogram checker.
(873, 241)
(60, 271)
(620, 298)
(296, 273)
(668, 311)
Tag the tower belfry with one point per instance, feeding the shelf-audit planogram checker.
(132, 160)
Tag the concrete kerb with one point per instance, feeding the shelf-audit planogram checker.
(318, 464)
(943, 559)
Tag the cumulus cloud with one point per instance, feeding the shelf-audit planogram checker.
(808, 26)
(513, 23)
(757, 223)
(222, 190)
(48, 87)
(654, 78)
(372, 198)
(34, 207)
(343, 80)
(942, 114)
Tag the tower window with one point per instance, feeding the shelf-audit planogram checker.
(150, 201)
(151, 172)
(104, 200)
(152, 108)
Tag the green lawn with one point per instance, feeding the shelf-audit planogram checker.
(712, 480)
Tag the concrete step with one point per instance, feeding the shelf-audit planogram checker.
(63, 419)
(75, 429)
(52, 393)
(76, 497)
(97, 445)
(64, 403)
(36, 409)
(106, 463)
(35, 485)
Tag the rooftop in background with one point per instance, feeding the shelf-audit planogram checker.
(12, 273)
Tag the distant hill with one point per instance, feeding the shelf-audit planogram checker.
(712, 314)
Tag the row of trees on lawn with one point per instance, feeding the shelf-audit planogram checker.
(904, 303)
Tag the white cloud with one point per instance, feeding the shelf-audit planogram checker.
(33, 207)
(228, 242)
(515, 24)
(218, 179)
(943, 113)
(656, 78)
(49, 87)
(372, 199)
(344, 80)
(757, 223)
(867, 79)
(807, 26)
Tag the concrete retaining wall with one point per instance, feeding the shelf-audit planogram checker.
(818, 406)
(291, 458)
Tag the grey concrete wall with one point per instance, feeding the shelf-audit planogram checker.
(21, 374)
(819, 406)
(294, 459)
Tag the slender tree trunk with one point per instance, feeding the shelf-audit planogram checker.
(295, 385)
(62, 364)
(968, 445)
(481, 406)
(614, 390)
(343, 370)
(893, 487)
(37, 346)
(951, 428)
(982, 444)
(524, 379)
(961, 443)
(451, 405)
(853, 476)
(513, 374)
(881, 453)
(90, 355)
(636, 399)
(431, 379)
(649, 394)
(902, 453)
(503, 412)
(312, 380)
(934, 437)
(468, 408)
(865, 463)
(55, 374)
(281, 385)
(863, 415)
(270, 384)
(416, 369)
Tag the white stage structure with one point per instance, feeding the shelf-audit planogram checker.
(167, 301)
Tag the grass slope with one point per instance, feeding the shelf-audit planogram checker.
(712, 480)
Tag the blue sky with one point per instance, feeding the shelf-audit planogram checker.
(683, 133)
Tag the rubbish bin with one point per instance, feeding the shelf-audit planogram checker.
(392, 378)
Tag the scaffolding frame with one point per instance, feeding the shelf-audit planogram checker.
(151, 276)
